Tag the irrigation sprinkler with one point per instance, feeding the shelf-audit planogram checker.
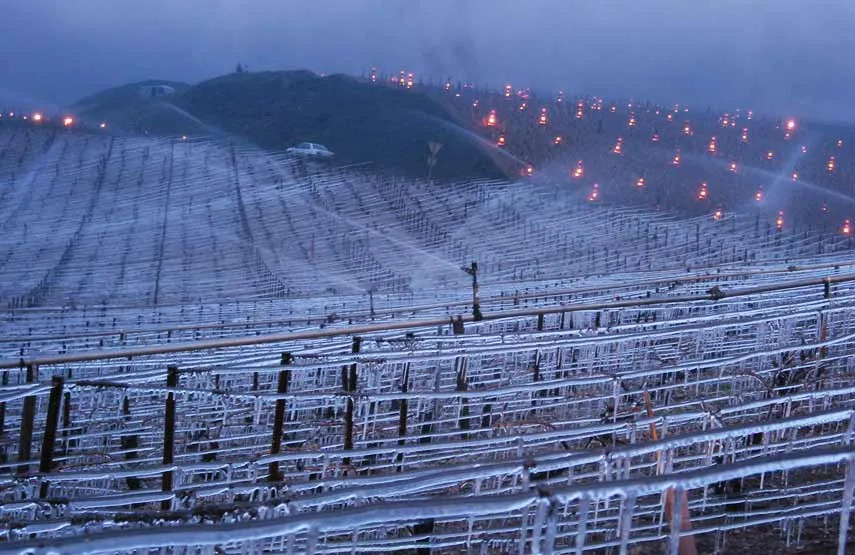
(476, 307)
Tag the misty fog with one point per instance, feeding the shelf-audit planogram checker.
(780, 57)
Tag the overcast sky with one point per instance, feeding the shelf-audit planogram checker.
(784, 56)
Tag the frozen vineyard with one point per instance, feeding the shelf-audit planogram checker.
(208, 348)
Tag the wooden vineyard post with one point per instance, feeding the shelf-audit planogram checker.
(279, 417)
(486, 413)
(462, 386)
(66, 422)
(536, 377)
(129, 442)
(472, 270)
(823, 334)
(350, 388)
(457, 327)
(423, 527)
(169, 434)
(687, 543)
(28, 413)
(402, 417)
(5, 381)
(823, 324)
(49, 438)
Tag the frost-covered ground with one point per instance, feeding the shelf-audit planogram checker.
(201, 302)
(93, 220)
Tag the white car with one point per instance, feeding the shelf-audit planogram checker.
(310, 149)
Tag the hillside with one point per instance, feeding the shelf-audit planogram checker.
(390, 127)
(359, 122)
(129, 111)
(93, 219)
(748, 161)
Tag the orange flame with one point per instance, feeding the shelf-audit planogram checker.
(491, 119)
